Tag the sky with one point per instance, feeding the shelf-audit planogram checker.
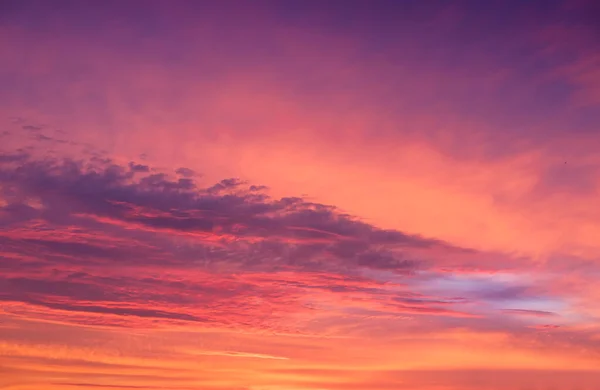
(299, 195)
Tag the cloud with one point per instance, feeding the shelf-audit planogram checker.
(107, 386)
(91, 236)
(237, 354)
(31, 128)
(138, 167)
(545, 327)
(534, 313)
(15, 157)
(158, 202)
(503, 293)
(185, 172)
(71, 222)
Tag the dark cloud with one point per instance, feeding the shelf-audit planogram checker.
(31, 128)
(120, 311)
(545, 327)
(185, 172)
(75, 249)
(42, 137)
(224, 185)
(503, 293)
(138, 167)
(14, 157)
(157, 201)
(93, 236)
(526, 312)
(119, 387)
(23, 286)
(383, 260)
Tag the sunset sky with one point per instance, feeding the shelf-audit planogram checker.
(299, 195)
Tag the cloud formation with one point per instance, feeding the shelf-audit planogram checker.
(152, 221)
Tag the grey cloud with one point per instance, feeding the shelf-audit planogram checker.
(185, 172)
(160, 202)
(138, 167)
(31, 128)
(153, 223)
